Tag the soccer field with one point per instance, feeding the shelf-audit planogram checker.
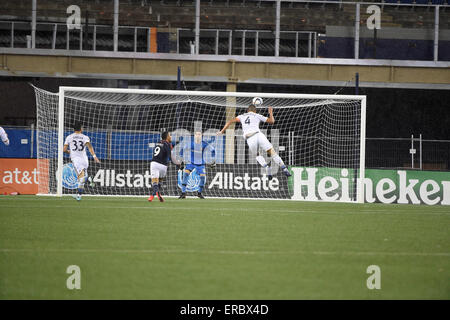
(128, 248)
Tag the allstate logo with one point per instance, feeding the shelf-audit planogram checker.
(69, 177)
(193, 182)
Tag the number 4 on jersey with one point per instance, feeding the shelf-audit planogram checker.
(247, 121)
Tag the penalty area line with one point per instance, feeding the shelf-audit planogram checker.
(226, 252)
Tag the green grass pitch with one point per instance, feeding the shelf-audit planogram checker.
(127, 248)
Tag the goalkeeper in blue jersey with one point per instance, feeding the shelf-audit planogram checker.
(196, 161)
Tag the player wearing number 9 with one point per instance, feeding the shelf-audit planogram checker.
(162, 155)
(75, 145)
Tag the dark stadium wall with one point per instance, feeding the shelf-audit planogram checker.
(395, 49)
(391, 113)
(17, 100)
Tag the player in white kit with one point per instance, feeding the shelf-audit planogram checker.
(75, 145)
(4, 136)
(256, 139)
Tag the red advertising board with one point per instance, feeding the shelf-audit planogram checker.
(22, 176)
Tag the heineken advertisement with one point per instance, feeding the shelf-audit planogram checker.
(384, 186)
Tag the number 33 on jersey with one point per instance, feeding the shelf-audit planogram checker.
(77, 145)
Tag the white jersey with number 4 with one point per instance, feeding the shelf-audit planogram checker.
(77, 145)
(250, 122)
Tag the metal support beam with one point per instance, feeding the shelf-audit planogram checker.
(135, 40)
(230, 42)
(116, 25)
(309, 44)
(197, 26)
(81, 37)
(67, 38)
(54, 36)
(277, 29)
(12, 34)
(230, 113)
(357, 18)
(213, 68)
(33, 24)
(217, 42)
(315, 45)
(436, 33)
(256, 43)
(94, 39)
(243, 43)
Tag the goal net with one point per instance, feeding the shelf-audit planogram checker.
(320, 138)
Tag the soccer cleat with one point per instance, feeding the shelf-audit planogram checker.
(150, 199)
(199, 194)
(182, 196)
(160, 197)
(78, 197)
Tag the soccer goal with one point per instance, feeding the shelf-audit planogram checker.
(321, 139)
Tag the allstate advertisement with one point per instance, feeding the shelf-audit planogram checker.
(134, 178)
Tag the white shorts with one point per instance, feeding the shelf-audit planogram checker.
(157, 170)
(258, 140)
(80, 164)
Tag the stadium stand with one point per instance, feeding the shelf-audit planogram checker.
(219, 16)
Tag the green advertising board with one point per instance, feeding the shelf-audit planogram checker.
(384, 186)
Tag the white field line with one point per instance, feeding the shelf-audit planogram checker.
(149, 207)
(227, 252)
(397, 207)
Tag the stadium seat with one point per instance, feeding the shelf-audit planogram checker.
(422, 1)
(407, 1)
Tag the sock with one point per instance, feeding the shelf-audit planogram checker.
(185, 181)
(278, 161)
(261, 161)
(202, 183)
(264, 164)
(155, 188)
(81, 183)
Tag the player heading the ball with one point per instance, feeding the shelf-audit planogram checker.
(256, 139)
(75, 145)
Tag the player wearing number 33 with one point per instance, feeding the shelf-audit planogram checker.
(256, 139)
(75, 145)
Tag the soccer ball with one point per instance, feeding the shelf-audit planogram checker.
(257, 101)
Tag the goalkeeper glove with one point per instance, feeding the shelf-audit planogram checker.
(180, 166)
(212, 164)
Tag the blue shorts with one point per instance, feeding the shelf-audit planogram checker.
(200, 168)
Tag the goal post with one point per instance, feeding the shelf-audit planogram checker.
(320, 138)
